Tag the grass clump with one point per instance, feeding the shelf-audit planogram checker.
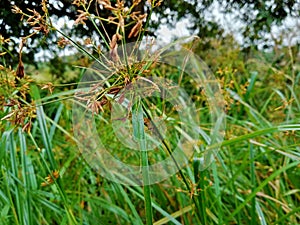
(253, 179)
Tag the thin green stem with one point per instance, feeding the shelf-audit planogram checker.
(139, 134)
(185, 181)
(252, 172)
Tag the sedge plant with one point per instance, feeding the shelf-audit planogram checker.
(253, 179)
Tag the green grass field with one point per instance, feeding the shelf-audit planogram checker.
(254, 178)
(195, 132)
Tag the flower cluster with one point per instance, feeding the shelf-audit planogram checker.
(40, 23)
(50, 178)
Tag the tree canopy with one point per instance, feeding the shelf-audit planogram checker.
(258, 17)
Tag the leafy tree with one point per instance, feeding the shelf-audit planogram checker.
(258, 17)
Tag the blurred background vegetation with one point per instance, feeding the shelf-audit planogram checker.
(267, 25)
(256, 20)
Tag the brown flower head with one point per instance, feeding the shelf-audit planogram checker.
(81, 18)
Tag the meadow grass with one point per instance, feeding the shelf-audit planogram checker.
(253, 179)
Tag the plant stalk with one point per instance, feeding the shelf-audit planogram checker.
(139, 134)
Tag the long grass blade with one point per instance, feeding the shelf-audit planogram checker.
(139, 134)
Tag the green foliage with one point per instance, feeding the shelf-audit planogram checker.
(254, 179)
(63, 9)
(258, 17)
